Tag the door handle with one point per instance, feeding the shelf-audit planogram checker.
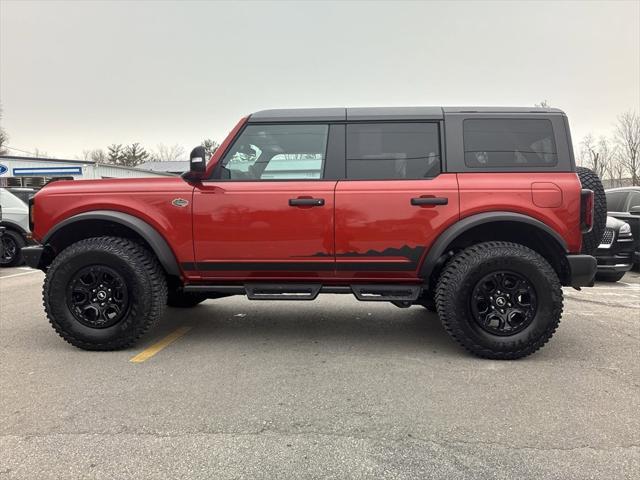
(429, 201)
(307, 202)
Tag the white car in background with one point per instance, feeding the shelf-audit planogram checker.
(15, 220)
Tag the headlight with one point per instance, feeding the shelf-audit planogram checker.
(625, 229)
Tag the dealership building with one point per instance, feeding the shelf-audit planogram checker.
(35, 172)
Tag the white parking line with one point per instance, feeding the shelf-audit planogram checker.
(19, 274)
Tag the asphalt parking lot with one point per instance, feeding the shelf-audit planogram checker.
(325, 389)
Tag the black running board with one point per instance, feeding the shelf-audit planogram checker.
(386, 293)
(309, 291)
(268, 291)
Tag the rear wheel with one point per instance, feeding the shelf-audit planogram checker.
(499, 300)
(12, 243)
(591, 181)
(104, 293)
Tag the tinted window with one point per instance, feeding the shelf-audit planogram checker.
(508, 142)
(616, 201)
(277, 152)
(634, 200)
(392, 150)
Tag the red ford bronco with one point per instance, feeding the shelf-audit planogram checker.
(477, 213)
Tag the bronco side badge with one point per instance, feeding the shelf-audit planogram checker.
(179, 202)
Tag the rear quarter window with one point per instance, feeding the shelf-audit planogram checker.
(502, 142)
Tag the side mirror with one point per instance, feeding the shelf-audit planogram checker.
(197, 160)
(635, 210)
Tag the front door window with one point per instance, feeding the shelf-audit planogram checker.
(277, 152)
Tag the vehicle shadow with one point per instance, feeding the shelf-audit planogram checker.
(340, 323)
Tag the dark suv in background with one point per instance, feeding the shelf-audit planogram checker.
(624, 204)
(615, 252)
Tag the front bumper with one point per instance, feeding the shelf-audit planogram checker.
(583, 270)
(617, 257)
(614, 265)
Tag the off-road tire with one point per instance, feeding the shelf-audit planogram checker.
(145, 282)
(455, 286)
(610, 276)
(591, 181)
(178, 299)
(17, 241)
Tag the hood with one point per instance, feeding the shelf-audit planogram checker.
(113, 185)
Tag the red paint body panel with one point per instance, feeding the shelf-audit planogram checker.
(512, 192)
(244, 222)
(376, 216)
(146, 198)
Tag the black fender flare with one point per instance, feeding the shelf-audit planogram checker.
(14, 226)
(156, 241)
(454, 231)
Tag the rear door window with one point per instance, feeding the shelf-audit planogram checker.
(385, 151)
(505, 142)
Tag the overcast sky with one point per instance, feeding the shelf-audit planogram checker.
(82, 75)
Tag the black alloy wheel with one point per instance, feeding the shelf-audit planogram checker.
(503, 303)
(97, 296)
(9, 249)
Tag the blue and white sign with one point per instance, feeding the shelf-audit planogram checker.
(3, 169)
(48, 171)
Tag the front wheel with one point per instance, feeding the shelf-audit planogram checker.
(499, 300)
(104, 293)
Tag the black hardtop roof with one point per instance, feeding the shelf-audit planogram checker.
(381, 113)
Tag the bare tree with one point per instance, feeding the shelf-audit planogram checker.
(627, 135)
(542, 104)
(115, 153)
(40, 154)
(210, 146)
(98, 155)
(133, 155)
(596, 155)
(168, 153)
(84, 155)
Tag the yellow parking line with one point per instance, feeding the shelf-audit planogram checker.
(147, 353)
